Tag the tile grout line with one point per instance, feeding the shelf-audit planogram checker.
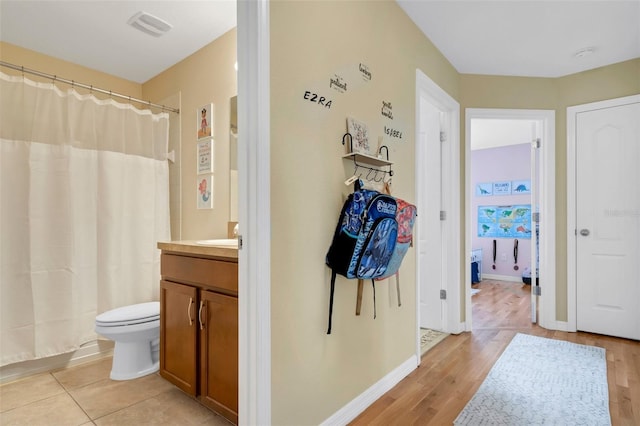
(71, 396)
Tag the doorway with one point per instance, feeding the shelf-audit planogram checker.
(537, 125)
(503, 230)
(438, 250)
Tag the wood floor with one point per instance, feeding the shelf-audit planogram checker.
(452, 371)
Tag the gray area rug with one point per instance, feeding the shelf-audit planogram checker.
(539, 381)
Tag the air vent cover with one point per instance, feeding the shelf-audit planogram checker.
(149, 24)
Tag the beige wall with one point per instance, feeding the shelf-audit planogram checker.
(315, 374)
(207, 76)
(557, 94)
(30, 59)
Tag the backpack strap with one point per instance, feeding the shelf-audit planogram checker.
(398, 286)
(333, 286)
(373, 283)
(359, 296)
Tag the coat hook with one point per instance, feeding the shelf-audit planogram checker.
(369, 174)
(386, 149)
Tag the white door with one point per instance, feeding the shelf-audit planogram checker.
(429, 229)
(608, 221)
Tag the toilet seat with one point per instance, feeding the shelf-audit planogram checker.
(130, 315)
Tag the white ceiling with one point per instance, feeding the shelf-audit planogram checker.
(495, 133)
(529, 38)
(96, 34)
(508, 37)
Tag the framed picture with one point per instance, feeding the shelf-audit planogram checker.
(359, 135)
(205, 121)
(204, 186)
(520, 187)
(484, 189)
(502, 188)
(205, 156)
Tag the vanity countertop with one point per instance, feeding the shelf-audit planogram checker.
(192, 247)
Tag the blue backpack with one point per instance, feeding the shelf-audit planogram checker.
(364, 239)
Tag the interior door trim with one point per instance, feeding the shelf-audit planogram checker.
(547, 197)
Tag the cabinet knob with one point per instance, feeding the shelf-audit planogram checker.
(584, 232)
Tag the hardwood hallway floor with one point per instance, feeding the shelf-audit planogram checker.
(451, 372)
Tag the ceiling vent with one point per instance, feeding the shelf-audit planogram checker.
(149, 24)
(584, 52)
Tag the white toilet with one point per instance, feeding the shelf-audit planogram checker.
(136, 331)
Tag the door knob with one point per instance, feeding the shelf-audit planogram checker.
(584, 232)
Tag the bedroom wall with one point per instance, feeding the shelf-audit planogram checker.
(315, 374)
(502, 164)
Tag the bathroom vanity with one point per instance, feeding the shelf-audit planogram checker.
(199, 322)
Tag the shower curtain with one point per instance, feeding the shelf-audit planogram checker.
(84, 199)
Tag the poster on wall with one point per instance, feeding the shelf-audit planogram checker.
(359, 135)
(205, 121)
(205, 150)
(502, 188)
(484, 189)
(205, 192)
(505, 221)
(520, 187)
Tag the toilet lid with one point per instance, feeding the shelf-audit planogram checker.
(132, 314)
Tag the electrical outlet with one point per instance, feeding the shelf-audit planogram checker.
(504, 257)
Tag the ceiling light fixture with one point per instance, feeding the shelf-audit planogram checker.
(149, 24)
(584, 52)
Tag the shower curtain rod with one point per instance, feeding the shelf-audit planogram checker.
(86, 86)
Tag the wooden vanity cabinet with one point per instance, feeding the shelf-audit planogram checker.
(178, 335)
(219, 353)
(199, 329)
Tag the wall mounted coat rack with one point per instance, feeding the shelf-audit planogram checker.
(372, 168)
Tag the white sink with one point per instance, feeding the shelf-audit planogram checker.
(230, 242)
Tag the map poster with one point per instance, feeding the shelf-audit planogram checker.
(505, 221)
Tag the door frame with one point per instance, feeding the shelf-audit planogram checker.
(254, 195)
(427, 90)
(572, 115)
(547, 196)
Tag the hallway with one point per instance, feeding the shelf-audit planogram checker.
(452, 371)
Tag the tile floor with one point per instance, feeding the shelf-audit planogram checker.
(84, 395)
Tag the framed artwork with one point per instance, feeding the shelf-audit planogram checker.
(520, 187)
(359, 135)
(484, 189)
(205, 156)
(502, 188)
(205, 192)
(205, 121)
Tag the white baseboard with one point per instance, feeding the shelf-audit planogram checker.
(501, 278)
(89, 352)
(458, 328)
(350, 411)
(563, 326)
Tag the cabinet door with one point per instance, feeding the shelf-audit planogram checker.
(219, 353)
(178, 334)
